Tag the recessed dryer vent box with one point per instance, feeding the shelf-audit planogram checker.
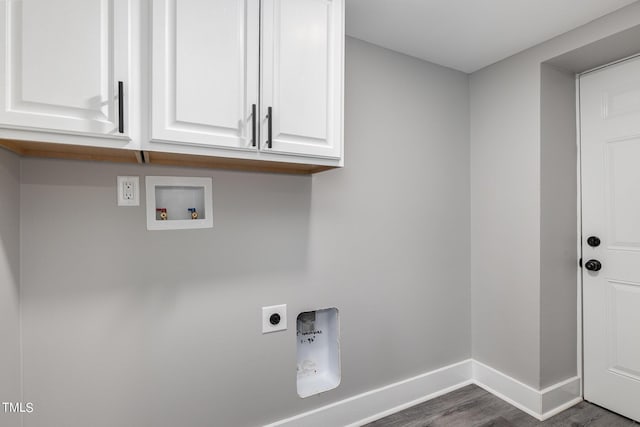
(318, 345)
(177, 203)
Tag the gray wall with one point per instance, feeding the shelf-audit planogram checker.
(510, 279)
(558, 227)
(127, 327)
(9, 284)
(505, 221)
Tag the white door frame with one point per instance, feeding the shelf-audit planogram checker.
(579, 338)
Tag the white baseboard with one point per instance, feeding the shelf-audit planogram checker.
(540, 404)
(375, 404)
(560, 396)
(378, 403)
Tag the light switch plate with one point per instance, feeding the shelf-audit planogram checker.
(128, 190)
(278, 310)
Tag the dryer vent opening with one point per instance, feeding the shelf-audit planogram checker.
(318, 348)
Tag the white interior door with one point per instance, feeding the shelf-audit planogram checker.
(205, 72)
(302, 63)
(60, 64)
(610, 137)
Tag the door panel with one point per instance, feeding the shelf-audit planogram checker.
(205, 71)
(213, 29)
(622, 178)
(63, 61)
(623, 319)
(302, 72)
(302, 42)
(610, 141)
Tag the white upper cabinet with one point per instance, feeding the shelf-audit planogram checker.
(245, 80)
(218, 68)
(61, 64)
(302, 74)
(205, 72)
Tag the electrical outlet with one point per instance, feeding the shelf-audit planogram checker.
(274, 318)
(128, 189)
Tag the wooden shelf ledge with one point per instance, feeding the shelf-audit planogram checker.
(119, 155)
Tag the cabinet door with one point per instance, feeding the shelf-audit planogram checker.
(61, 62)
(302, 74)
(205, 72)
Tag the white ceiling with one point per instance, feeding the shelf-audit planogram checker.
(468, 34)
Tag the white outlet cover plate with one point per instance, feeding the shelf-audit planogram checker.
(267, 327)
(134, 199)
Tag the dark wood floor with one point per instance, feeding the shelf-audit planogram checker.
(471, 406)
